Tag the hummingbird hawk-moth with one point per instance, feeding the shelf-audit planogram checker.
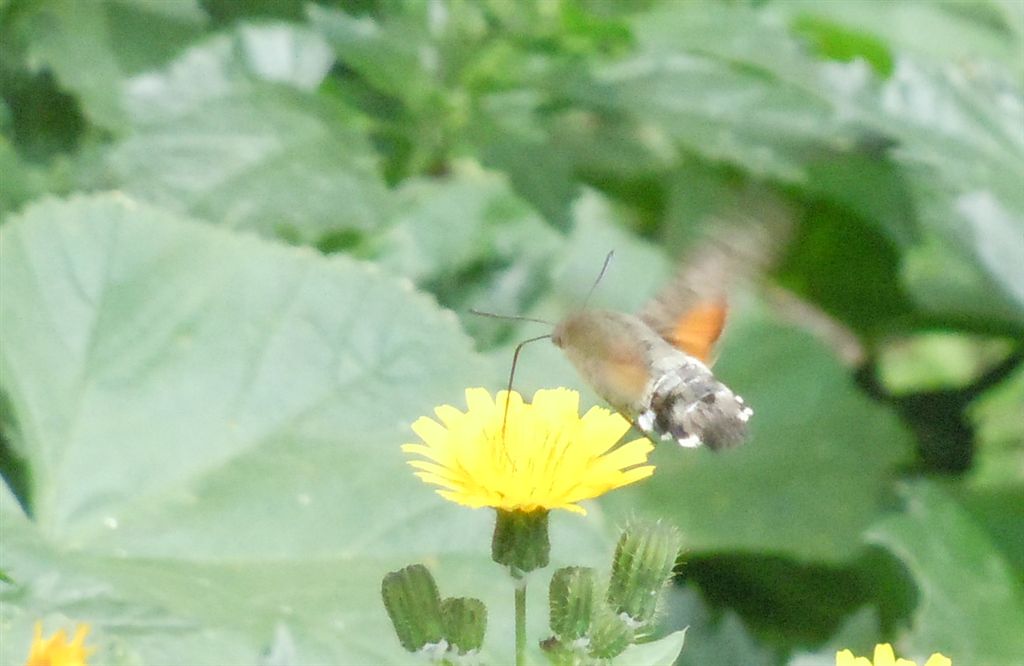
(659, 381)
(653, 366)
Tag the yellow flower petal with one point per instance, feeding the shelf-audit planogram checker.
(542, 456)
(56, 651)
(885, 656)
(846, 658)
(938, 660)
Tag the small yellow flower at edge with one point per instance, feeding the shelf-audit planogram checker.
(543, 456)
(884, 656)
(56, 651)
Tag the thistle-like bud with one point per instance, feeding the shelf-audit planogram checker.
(465, 621)
(610, 634)
(643, 563)
(572, 596)
(414, 605)
(520, 540)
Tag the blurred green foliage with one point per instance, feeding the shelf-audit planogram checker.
(233, 235)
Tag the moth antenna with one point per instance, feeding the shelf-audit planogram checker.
(493, 315)
(511, 376)
(604, 267)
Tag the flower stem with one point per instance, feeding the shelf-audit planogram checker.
(520, 622)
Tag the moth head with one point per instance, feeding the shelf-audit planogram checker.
(591, 332)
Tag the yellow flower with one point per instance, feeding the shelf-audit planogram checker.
(884, 656)
(56, 651)
(544, 456)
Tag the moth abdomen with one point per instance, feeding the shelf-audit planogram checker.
(687, 404)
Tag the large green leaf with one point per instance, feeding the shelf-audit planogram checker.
(211, 426)
(233, 131)
(970, 603)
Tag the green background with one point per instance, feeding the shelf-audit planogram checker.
(238, 246)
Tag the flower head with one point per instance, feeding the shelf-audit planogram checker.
(884, 656)
(542, 456)
(56, 651)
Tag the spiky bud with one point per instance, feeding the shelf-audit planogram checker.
(643, 563)
(610, 634)
(572, 595)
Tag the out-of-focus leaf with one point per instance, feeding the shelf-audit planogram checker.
(936, 361)
(92, 46)
(662, 652)
(685, 82)
(994, 492)
(963, 127)
(959, 138)
(735, 34)
(226, 11)
(636, 270)
(21, 181)
(473, 242)
(511, 138)
(943, 31)
(397, 58)
(713, 639)
(971, 606)
(442, 225)
(841, 42)
(1000, 423)
(740, 118)
(971, 265)
(39, 119)
(998, 241)
(870, 186)
(860, 633)
(867, 299)
(233, 132)
(212, 423)
(813, 604)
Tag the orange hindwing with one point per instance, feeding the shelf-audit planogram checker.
(697, 330)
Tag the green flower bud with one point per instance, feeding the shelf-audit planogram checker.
(572, 596)
(465, 621)
(609, 634)
(414, 605)
(643, 563)
(520, 540)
